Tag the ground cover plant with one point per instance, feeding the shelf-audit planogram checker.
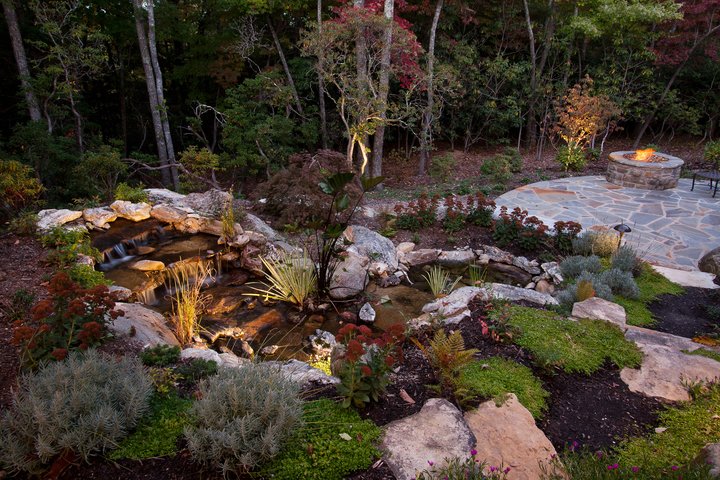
(333, 442)
(651, 285)
(495, 377)
(582, 346)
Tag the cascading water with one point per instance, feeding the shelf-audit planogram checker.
(123, 252)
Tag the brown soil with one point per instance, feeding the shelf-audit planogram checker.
(23, 267)
(690, 314)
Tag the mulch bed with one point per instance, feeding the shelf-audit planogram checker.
(687, 315)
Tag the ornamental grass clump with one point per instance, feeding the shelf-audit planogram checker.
(81, 406)
(187, 280)
(439, 281)
(291, 280)
(243, 418)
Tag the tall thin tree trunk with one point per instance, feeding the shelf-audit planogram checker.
(281, 54)
(362, 75)
(165, 122)
(531, 124)
(21, 59)
(383, 89)
(426, 133)
(321, 85)
(155, 106)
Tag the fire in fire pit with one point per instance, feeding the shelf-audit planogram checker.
(644, 169)
(644, 155)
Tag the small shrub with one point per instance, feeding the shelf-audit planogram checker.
(621, 283)
(455, 215)
(24, 224)
(200, 163)
(627, 260)
(497, 168)
(584, 290)
(442, 166)
(197, 369)
(572, 267)
(227, 218)
(518, 228)
(85, 405)
(71, 318)
(364, 361)
(479, 210)
(243, 418)
(98, 171)
(515, 159)
(447, 355)
(420, 213)
(601, 288)
(318, 452)
(712, 153)
(495, 377)
(68, 245)
(123, 191)
(164, 380)
(565, 233)
(494, 319)
(571, 158)
(581, 346)
(160, 355)
(603, 244)
(158, 433)
(19, 188)
(86, 276)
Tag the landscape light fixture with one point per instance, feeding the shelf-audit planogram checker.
(622, 229)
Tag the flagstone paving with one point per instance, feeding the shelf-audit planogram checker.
(671, 228)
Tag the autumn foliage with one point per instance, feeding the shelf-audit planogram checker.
(70, 318)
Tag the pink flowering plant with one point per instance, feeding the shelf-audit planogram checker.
(457, 468)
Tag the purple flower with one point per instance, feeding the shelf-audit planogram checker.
(493, 468)
(674, 467)
(473, 452)
(507, 469)
(599, 454)
(635, 469)
(431, 463)
(614, 466)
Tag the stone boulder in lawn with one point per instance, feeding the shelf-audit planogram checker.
(435, 433)
(507, 436)
(372, 245)
(49, 219)
(143, 324)
(596, 308)
(350, 276)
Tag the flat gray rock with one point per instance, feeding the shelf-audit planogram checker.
(514, 294)
(596, 308)
(49, 219)
(168, 213)
(351, 276)
(456, 258)
(435, 433)
(372, 245)
(99, 217)
(452, 308)
(134, 212)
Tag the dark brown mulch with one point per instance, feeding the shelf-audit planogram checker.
(23, 267)
(687, 315)
(595, 411)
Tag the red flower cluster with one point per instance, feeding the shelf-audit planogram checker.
(70, 318)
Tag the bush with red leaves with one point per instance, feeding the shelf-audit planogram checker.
(71, 318)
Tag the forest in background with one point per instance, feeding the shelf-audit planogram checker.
(192, 93)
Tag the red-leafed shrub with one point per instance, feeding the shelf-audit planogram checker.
(71, 318)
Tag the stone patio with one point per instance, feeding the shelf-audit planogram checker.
(671, 228)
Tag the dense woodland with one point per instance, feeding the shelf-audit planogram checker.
(194, 92)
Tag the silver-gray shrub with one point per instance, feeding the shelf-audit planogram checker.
(568, 296)
(572, 267)
(243, 417)
(627, 260)
(621, 283)
(583, 243)
(86, 404)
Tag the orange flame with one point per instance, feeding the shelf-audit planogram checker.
(644, 155)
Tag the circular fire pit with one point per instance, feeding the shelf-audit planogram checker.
(658, 172)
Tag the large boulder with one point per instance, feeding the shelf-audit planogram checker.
(453, 308)
(504, 273)
(134, 212)
(99, 217)
(596, 308)
(202, 354)
(530, 266)
(495, 254)
(666, 370)
(49, 219)
(710, 262)
(507, 436)
(321, 343)
(168, 214)
(517, 294)
(350, 277)
(372, 245)
(421, 257)
(209, 204)
(435, 433)
(143, 324)
(163, 195)
(258, 225)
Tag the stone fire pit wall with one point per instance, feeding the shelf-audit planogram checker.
(644, 175)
